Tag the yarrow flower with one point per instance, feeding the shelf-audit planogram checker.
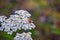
(21, 20)
(23, 36)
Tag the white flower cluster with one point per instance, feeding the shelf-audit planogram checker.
(17, 22)
(23, 36)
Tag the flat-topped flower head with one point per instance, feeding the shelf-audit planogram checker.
(23, 36)
(17, 22)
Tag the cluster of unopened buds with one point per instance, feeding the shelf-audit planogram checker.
(20, 20)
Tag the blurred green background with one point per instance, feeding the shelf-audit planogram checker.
(35, 7)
